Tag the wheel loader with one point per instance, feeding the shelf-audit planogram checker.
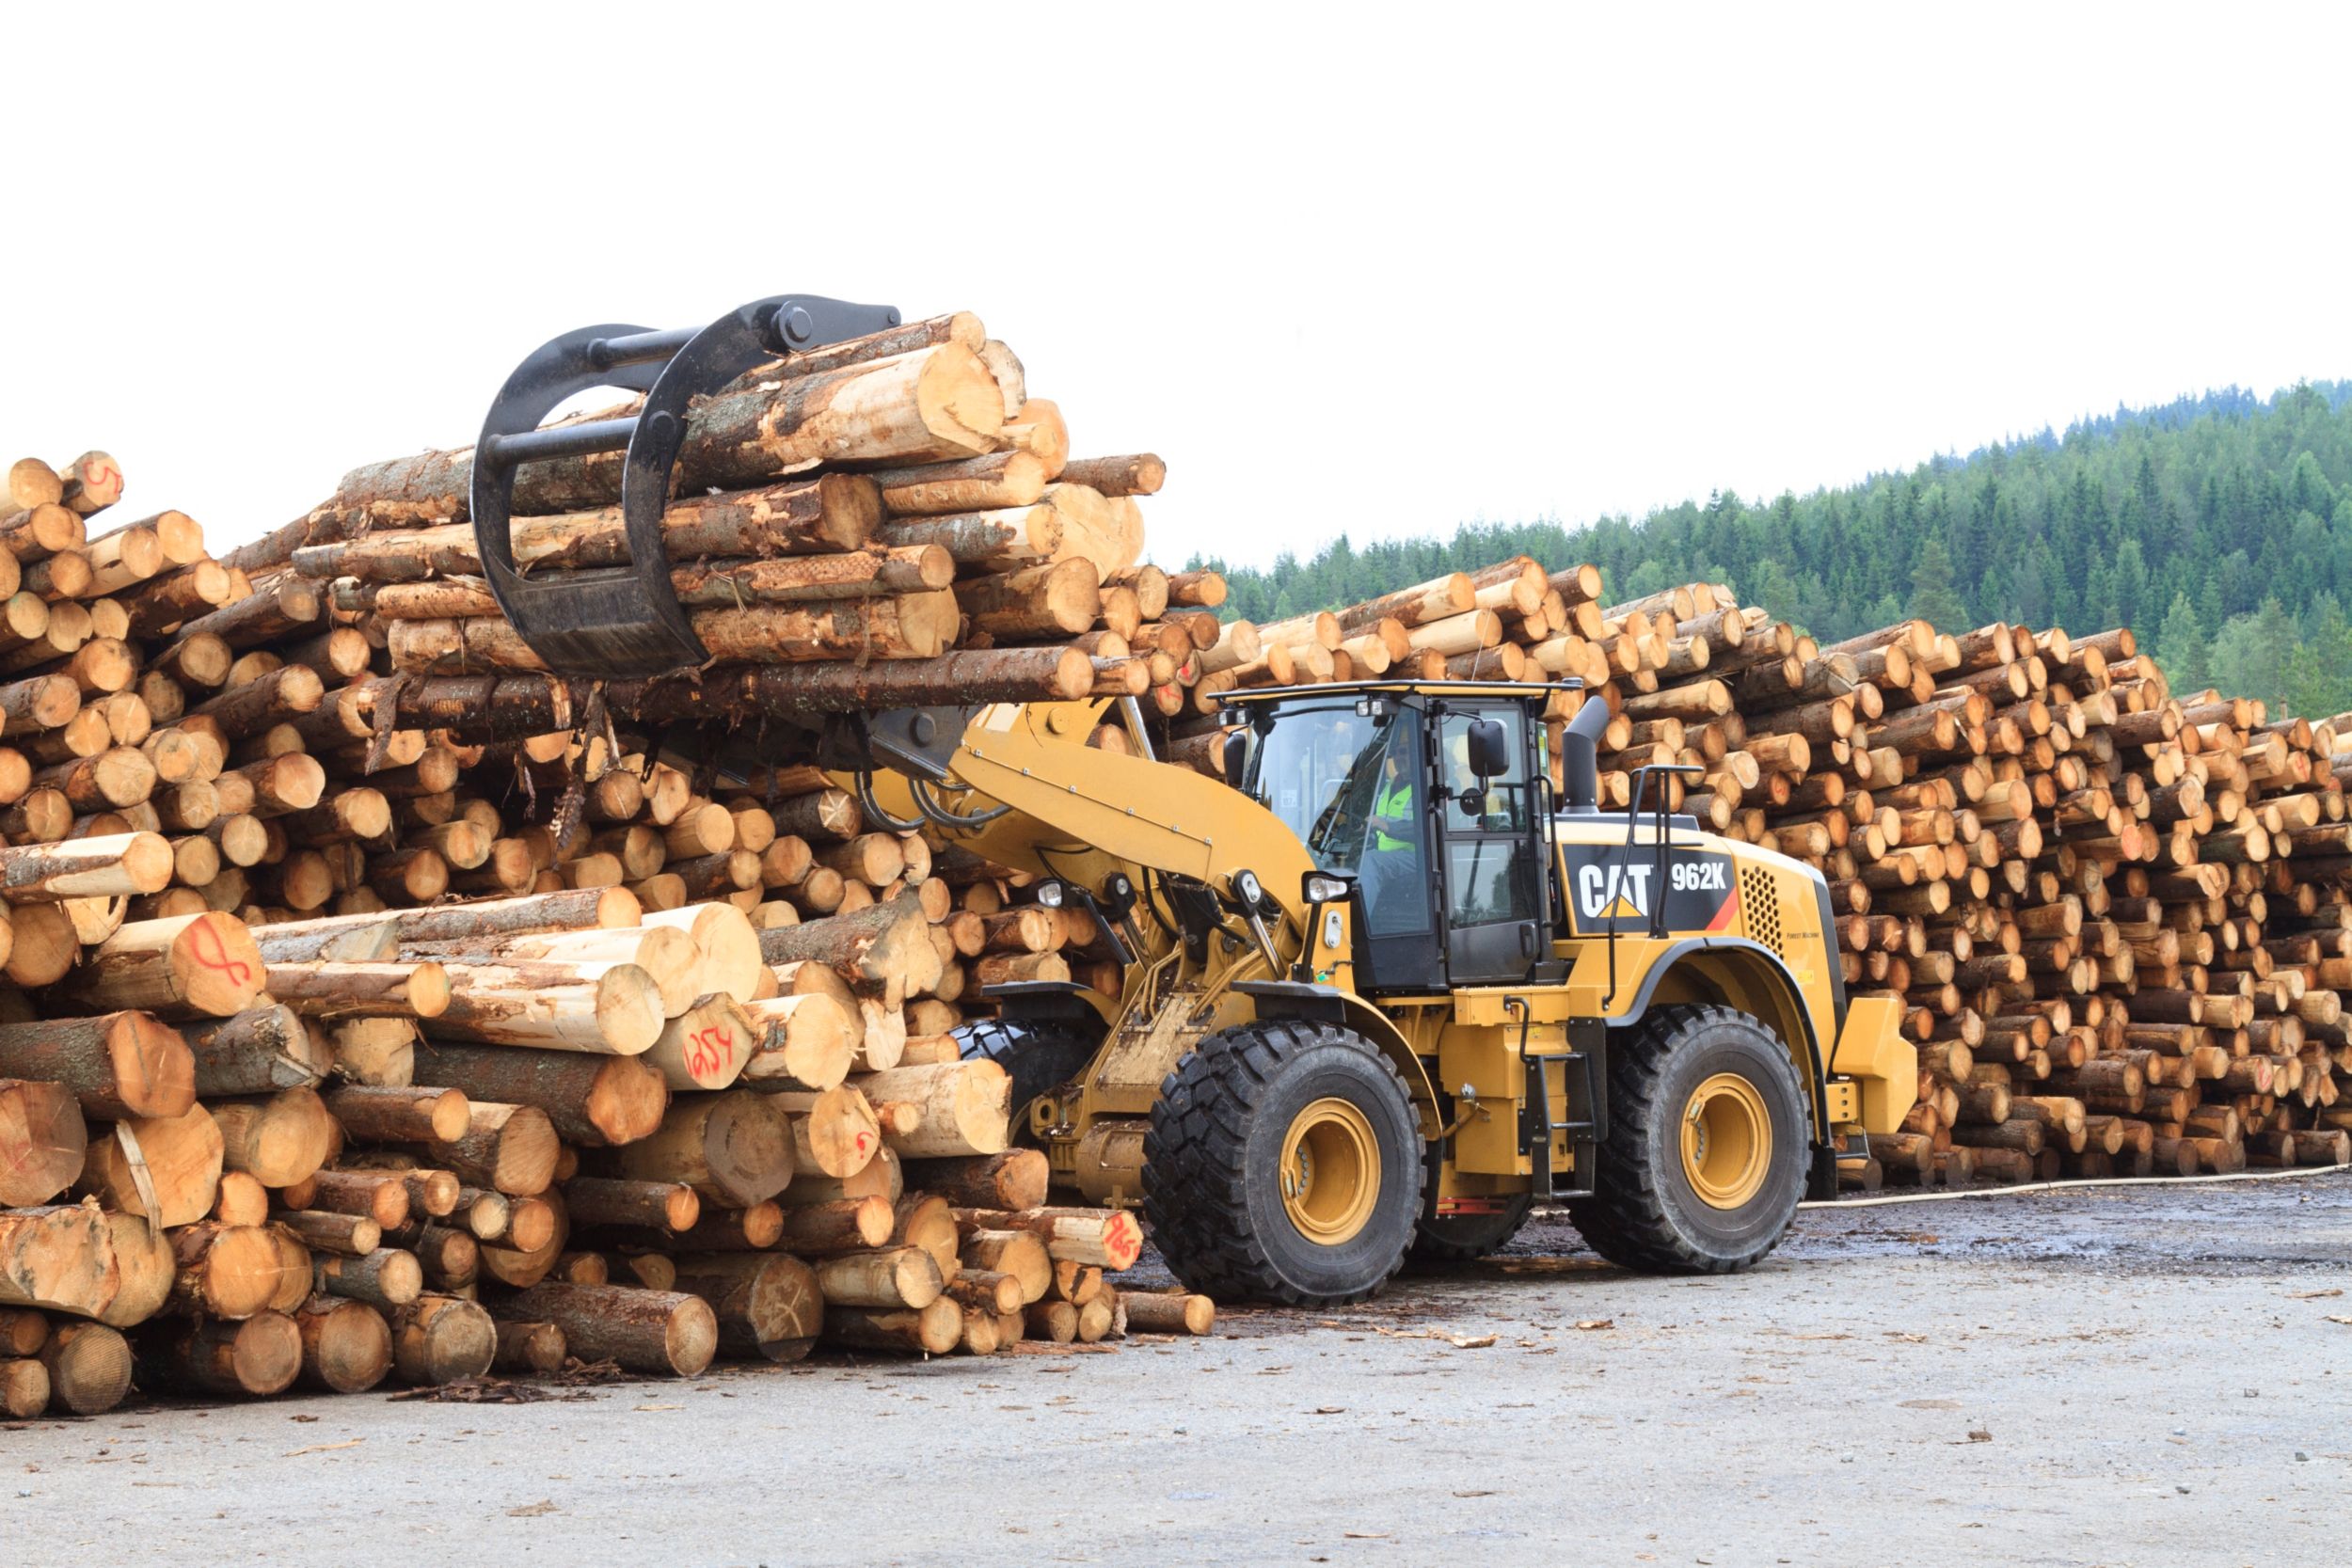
(1387, 988)
(1383, 992)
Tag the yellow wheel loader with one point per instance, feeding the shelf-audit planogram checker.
(1390, 988)
(1383, 992)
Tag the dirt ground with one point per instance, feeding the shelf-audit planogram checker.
(2123, 1376)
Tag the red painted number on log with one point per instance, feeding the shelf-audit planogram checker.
(706, 1051)
(212, 953)
(1121, 1238)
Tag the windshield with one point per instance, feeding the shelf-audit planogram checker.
(1322, 770)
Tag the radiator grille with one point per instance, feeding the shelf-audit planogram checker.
(1761, 906)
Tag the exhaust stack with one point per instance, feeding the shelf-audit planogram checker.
(1579, 757)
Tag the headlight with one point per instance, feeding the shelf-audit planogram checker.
(1246, 883)
(1049, 894)
(1325, 889)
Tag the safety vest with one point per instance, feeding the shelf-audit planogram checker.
(1395, 802)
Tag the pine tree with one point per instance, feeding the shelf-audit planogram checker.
(1931, 596)
(2181, 651)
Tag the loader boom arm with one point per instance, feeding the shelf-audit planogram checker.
(1129, 809)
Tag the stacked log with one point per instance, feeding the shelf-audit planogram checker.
(2120, 918)
(895, 519)
(364, 969)
(365, 1025)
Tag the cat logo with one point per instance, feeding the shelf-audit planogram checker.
(1612, 892)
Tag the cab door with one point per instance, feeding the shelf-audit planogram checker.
(1491, 874)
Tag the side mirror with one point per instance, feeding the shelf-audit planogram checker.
(1489, 748)
(1235, 758)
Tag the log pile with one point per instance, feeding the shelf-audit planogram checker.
(381, 1003)
(884, 523)
(364, 1023)
(2121, 918)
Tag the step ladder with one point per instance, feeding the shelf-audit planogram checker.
(1584, 1073)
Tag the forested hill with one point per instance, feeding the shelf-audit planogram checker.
(2218, 528)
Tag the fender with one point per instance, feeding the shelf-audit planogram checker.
(1747, 975)
(1330, 1005)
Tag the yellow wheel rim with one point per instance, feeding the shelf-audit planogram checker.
(1330, 1172)
(1726, 1141)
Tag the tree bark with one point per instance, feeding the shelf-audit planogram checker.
(379, 1196)
(336, 990)
(1105, 1238)
(934, 1330)
(259, 1356)
(610, 1009)
(192, 965)
(663, 1332)
(897, 1276)
(1172, 1312)
(591, 1101)
(963, 1108)
(874, 946)
(659, 1205)
(767, 1304)
(1059, 599)
(123, 1064)
(509, 1149)
(850, 1225)
(259, 1050)
(1015, 1179)
(105, 866)
(803, 1042)
(405, 1114)
(387, 1278)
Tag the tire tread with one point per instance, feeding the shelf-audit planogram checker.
(1195, 1181)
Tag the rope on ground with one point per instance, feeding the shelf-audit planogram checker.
(1955, 1193)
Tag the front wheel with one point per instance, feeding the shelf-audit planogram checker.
(1705, 1161)
(1038, 1055)
(1283, 1164)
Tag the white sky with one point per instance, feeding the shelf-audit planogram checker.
(1345, 268)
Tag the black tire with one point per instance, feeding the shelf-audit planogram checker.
(1645, 1213)
(1466, 1238)
(1212, 1182)
(1038, 1053)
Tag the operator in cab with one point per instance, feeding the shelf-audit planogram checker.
(1392, 848)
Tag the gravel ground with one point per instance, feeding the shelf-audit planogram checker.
(2148, 1375)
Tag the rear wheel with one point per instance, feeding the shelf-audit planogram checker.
(1038, 1055)
(1283, 1164)
(1705, 1161)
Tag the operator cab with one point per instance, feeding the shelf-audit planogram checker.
(1435, 797)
